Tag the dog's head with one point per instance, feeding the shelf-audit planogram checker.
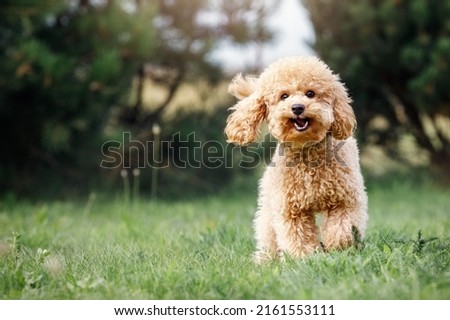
(300, 98)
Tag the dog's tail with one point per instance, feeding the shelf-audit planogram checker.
(241, 87)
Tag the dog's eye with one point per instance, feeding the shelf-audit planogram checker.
(284, 96)
(310, 94)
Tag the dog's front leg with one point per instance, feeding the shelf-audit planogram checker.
(296, 234)
(342, 227)
(266, 246)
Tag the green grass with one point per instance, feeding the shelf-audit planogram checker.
(201, 249)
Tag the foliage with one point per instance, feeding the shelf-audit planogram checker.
(63, 64)
(67, 69)
(394, 56)
(202, 249)
(187, 33)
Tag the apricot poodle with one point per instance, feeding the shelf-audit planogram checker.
(315, 168)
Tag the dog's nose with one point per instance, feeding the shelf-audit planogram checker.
(298, 109)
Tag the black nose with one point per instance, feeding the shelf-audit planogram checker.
(298, 109)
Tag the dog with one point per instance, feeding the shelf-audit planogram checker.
(315, 167)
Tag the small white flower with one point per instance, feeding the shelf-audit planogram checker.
(136, 172)
(156, 129)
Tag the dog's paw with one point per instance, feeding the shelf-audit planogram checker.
(262, 257)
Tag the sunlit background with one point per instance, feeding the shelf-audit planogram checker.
(293, 31)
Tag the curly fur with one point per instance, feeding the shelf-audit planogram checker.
(315, 168)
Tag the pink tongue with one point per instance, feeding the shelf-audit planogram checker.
(300, 122)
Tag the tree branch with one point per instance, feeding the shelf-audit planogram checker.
(412, 115)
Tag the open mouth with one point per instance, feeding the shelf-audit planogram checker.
(300, 123)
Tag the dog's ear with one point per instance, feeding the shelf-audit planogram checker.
(241, 87)
(344, 122)
(247, 114)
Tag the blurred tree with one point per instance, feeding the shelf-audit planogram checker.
(187, 34)
(62, 65)
(394, 56)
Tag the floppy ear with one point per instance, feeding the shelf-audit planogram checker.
(241, 87)
(243, 124)
(344, 118)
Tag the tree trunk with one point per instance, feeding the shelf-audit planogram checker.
(439, 155)
(156, 114)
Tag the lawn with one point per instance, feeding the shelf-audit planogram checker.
(105, 248)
